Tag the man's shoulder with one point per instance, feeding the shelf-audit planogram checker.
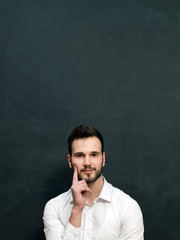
(119, 194)
(122, 201)
(58, 207)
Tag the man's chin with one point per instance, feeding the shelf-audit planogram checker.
(90, 180)
(87, 179)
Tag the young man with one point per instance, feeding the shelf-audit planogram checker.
(92, 209)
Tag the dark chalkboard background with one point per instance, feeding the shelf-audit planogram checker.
(111, 64)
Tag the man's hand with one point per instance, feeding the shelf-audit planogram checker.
(79, 190)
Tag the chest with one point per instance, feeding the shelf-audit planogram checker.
(100, 221)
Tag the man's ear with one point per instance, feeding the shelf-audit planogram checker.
(69, 160)
(104, 159)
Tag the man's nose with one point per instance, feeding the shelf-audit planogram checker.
(86, 160)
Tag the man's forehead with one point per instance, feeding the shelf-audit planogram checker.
(90, 143)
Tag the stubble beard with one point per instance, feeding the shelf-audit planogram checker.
(88, 179)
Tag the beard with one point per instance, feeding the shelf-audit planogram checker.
(88, 177)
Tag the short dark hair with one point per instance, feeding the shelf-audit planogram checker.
(83, 131)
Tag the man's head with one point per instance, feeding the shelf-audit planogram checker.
(83, 131)
(86, 153)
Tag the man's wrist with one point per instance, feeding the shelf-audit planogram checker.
(75, 218)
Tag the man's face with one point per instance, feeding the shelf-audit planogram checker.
(88, 158)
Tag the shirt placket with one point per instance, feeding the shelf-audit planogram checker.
(88, 233)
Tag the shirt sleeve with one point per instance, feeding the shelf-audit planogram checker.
(132, 226)
(55, 229)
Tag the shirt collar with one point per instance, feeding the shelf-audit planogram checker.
(105, 192)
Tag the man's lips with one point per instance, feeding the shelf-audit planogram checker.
(87, 170)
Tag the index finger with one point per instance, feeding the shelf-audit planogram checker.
(75, 175)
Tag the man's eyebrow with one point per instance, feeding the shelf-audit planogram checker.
(95, 152)
(78, 153)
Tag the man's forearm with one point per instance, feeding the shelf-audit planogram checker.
(75, 218)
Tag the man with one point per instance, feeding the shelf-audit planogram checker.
(92, 209)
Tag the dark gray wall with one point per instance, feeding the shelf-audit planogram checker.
(110, 64)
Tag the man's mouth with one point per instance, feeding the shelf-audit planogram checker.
(88, 170)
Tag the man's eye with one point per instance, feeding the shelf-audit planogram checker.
(79, 156)
(94, 155)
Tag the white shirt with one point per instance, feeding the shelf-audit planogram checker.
(113, 216)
